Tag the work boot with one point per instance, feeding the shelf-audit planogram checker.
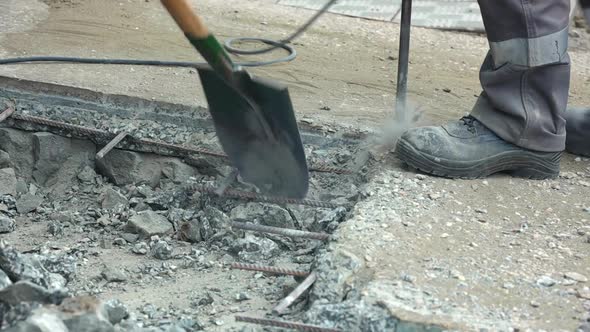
(467, 149)
(578, 131)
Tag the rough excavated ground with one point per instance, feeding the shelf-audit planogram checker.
(417, 251)
(125, 228)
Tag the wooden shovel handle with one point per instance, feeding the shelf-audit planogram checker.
(185, 17)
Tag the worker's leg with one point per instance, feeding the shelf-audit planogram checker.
(525, 76)
(517, 124)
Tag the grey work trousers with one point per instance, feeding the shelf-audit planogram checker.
(525, 76)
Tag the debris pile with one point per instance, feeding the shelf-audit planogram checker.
(130, 221)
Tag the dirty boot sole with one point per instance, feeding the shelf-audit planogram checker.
(519, 163)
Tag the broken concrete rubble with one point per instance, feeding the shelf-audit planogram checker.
(252, 248)
(116, 311)
(140, 248)
(8, 204)
(20, 267)
(7, 182)
(4, 280)
(335, 268)
(113, 200)
(4, 159)
(7, 224)
(87, 175)
(148, 224)
(59, 158)
(29, 306)
(112, 274)
(191, 231)
(176, 170)
(217, 218)
(28, 203)
(26, 291)
(355, 316)
(40, 322)
(89, 322)
(82, 314)
(130, 237)
(162, 200)
(126, 167)
(151, 183)
(21, 187)
(161, 249)
(28, 267)
(63, 265)
(265, 214)
(209, 223)
(324, 220)
(19, 145)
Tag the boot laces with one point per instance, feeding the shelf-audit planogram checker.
(469, 122)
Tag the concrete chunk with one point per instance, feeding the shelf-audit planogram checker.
(28, 203)
(127, 167)
(7, 225)
(265, 214)
(42, 321)
(176, 170)
(4, 159)
(26, 291)
(149, 223)
(4, 280)
(7, 182)
(112, 199)
(19, 145)
(59, 158)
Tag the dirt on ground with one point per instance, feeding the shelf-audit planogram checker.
(498, 254)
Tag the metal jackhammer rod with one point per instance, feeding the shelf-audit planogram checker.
(403, 60)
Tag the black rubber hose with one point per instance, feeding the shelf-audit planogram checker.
(290, 57)
(274, 44)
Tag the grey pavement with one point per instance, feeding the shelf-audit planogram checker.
(439, 14)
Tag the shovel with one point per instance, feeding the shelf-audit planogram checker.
(253, 117)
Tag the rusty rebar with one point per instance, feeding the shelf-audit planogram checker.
(6, 113)
(246, 195)
(269, 269)
(62, 125)
(107, 148)
(181, 148)
(105, 135)
(295, 294)
(284, 324)
(328, 169)
(280, 231)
